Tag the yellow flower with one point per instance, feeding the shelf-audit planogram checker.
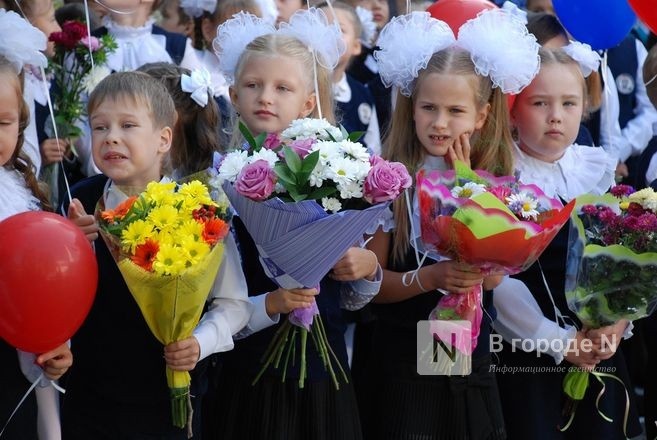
(135, 234)
(194, 250)
(191, 228)
(197, 191)
(164, 217)
(170, 260)
(160, 194)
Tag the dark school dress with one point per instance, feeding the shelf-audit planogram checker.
(533, 403)
(356, 114)
(276, 410)
(13, 385)
(117, 387)
(396, 403)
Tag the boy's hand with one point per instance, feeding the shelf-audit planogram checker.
(355, 264)
(284, 301)
(56, 362)
(182, 355)
(84, 221)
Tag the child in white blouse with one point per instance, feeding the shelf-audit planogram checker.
(531, 307)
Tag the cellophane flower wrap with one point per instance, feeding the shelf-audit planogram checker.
(77, 67)
(168, 244)
(611, 265)
(494, 223)
(306, 196)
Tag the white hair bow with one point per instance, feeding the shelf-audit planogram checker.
(20, 42)
(195, 8)
(587, 58)
(198, 84)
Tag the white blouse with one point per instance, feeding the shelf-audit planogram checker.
(581, 170)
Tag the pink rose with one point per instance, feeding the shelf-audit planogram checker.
(256, 180)
(385, 181)
(302, 146)
(92, 43)
(272, 141)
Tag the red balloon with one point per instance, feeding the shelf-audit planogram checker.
(457, 12)
(646, 10)
(48, 279)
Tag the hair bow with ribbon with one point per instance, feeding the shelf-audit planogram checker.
(198, 84)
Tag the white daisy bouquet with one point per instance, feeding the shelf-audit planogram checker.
(294, 192)
(311, 160)
(494, 223)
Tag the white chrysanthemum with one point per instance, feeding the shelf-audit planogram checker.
(523, 204)
(331, 204)
(267, 155)
(342, 171)
(355, 150)
(361, 170)
(328, 151)
(468, 190)
(352, 190)
(646, 197)
(232, 165)
(318, 175)
(94, 77)
(311, 128)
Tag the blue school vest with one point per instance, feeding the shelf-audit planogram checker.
(356, 114)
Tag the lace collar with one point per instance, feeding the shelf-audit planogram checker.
(580, 170)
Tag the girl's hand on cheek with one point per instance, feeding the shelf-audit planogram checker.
(460, 149)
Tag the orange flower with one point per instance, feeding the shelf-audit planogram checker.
(145, 254)
(120, 211)
(214, 230)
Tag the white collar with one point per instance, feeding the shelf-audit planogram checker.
(580, 170)
(136, 46)
(341, 90)
(37, 86)
(15, 197)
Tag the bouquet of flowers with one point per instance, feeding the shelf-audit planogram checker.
(293, 192)
(612, 264)
(494, 223)
(167, 243)
(77, 67)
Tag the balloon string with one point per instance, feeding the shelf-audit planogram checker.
(27, 393)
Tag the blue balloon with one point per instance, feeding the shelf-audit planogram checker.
(601, 23)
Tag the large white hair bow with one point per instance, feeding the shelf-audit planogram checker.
(20, 42)
(310, 26)
(498, 42)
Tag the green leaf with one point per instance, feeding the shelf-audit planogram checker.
(355, 136)
(322, 192)
(284, 174)
(259, 140)
(292, 159)
(247, 136)
(295, 195)
(308, 164)
(331, 136)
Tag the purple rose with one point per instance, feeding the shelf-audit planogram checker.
(91, 42)
(385, 181)
(256, 180)
(272, 142)
(302, 146)
(303, 317)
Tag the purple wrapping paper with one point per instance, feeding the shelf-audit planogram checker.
(299, 242)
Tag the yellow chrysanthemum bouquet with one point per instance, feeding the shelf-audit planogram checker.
(167, 242)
